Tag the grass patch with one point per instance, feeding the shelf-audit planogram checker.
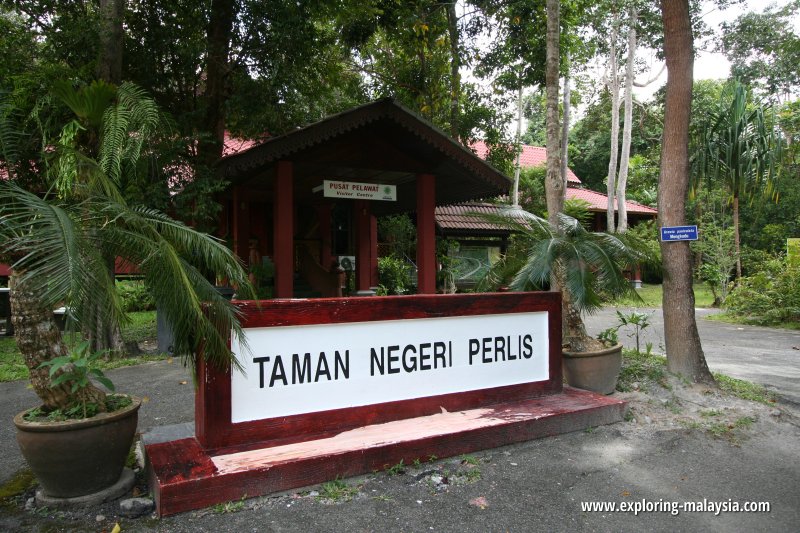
(12, 367)
(745, 389)
(642, 368)
(396, 470)
(141, 328)
(749, 321)
(652, 295)
(229, 507)
(337, 491)
(19, 484)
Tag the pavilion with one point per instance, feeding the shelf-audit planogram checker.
(277, 205)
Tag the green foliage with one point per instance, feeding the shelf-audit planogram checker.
(396, 469)
(134, 296)
(592, 263)
(398, 234)
(645, 369)
(337, 491)
(448, 263)
(764, 48)
(140, 326)
(531, 190)
(769, 296)
(394, 275)
(715, 246)
(609, 336)
(740, 148)
(645, 235)
(639, 321)
(745, 389)
(77, 369)
(264, 274)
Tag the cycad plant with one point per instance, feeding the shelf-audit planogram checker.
(59, 240)
(589, 267)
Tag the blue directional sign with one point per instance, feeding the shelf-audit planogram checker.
(678, 233)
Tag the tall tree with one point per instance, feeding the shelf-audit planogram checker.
(218, 77)
(764, 49)
(742, 149)
(625, 154)
(684, 351)
(555, 186)
(109, 61)
(613, 87)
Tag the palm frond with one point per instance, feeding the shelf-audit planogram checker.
(58, 253)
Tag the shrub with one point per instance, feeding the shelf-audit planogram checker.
(135, 296)
(770, 296)
(394, 275)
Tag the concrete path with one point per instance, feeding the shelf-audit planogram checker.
(767, 356)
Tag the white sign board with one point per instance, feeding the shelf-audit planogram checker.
(359, 191)
(292, 370)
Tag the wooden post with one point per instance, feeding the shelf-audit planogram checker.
(373, 251)
(426, 234)
(324, 213)
(363, 244)
(283, 210)
(241, 224)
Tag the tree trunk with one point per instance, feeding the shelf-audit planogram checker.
(565, 127)
(613, 87)
(105, 335)
(220, 28)
(684, 350)
(39, 340)
(622, 179)
(573, 329)
(736, 240)
(554, 185)
(455, 65)
(109, 60)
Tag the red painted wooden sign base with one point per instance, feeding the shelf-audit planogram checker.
(226, 461)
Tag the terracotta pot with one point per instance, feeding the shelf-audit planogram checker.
(78, 457)
(594, 371)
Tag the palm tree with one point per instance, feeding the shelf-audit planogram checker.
(589, 266)
(741, 149)
(59, 240)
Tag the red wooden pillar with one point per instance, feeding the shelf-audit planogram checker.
(241, 224)
(364, 244)
(426, 234)
(373, 251)
(324, 214)
(283, 227)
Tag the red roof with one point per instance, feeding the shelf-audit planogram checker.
(535, 156)
(599, 201)
(467, 217)
(531, 156)
(233, 145)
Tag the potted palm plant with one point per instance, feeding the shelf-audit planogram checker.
(59, 240)
(588, 269)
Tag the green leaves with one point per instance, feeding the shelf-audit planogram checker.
(77, 368)
(89, 103)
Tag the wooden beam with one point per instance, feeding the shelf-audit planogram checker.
(283, 209)
(426, 234)
(362, 217)
(241, 223)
